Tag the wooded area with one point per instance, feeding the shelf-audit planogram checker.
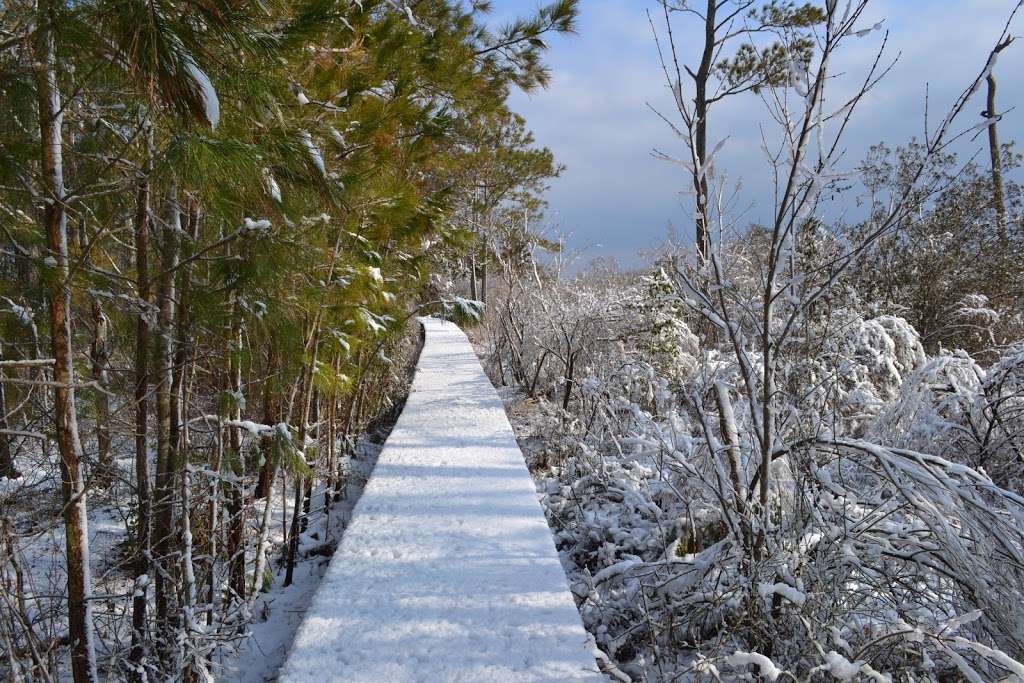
(216, 219)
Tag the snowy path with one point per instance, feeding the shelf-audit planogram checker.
(447, 571)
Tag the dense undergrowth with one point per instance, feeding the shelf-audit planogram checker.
(892, 543)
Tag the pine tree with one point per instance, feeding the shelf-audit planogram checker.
(259, 196)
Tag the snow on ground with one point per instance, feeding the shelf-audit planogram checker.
(448, 571)
(278, 613)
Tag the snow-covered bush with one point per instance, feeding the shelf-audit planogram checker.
(854, 367)
(956, 409)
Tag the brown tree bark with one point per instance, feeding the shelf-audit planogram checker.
(271, 416)
(995, 154)
(83, 658)
(7, 468)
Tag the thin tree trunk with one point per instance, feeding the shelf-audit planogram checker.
(341, 483)
(995, 155)
(188, 573)
(140, 600)
(767, 411)
(472, 276)
(305, 400)
(271, 416)
(700, 115)
(187, 654)
(185, 348)
(7, 468)
(305, 396)
(164, 537)
(727, 425)
(80, 628)
(293, 532)
(307, 496)
(213, 516)
(261, 543)
(236, 502)
(332, 439)
(483, 281)
(284, 507)
(100, 357)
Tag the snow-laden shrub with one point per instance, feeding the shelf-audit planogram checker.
(956, 409)
(1003, 441)
(896, 561)
(852, 367)
(977, 319)
(933, 407)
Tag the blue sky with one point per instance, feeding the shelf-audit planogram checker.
(615, 199)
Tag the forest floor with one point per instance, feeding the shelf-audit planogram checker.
(448, 570)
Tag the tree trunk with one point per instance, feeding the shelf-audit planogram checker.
(998, 200)
(236, 502)
(188, 654)
(271, 416)
(164, 536)
(261, 543)
(188, 572)
(100, 357)
(332, 439)
(768, 393)
(140, 600)
(213, 521)
(570, 369)
(347, 430)
(727, 425)
(472, 276)
(83, 657)
(700, 115)
(307, 495)
(293, 532)
(7, 468)
(483, 281)
(305, 401)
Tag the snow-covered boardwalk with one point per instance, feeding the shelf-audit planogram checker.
(448, 571)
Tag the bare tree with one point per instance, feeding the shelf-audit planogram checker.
(992, 115)
(760, 332)
(716, 77)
